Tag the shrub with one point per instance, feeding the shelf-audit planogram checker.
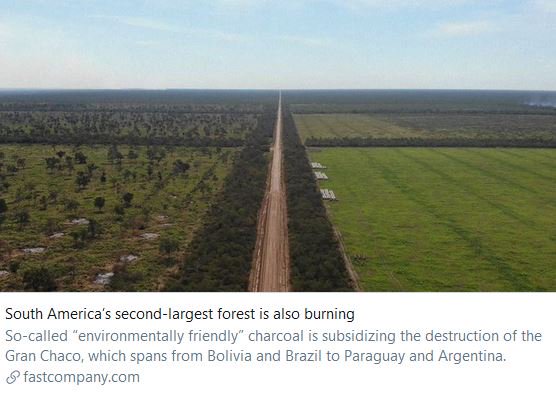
(39, 279)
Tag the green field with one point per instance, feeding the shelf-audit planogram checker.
(416, 219)
(167, 203)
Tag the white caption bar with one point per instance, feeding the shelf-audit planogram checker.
(277, 342)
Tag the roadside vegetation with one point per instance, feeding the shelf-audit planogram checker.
(316, 261)
(220, 256)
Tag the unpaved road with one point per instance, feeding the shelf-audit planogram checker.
(271, 260)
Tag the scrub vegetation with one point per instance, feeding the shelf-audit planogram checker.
(120, 190)
(101, 209)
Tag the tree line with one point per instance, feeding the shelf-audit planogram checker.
(107, 139)
(194, 129)
(429, 142)
(316, 260)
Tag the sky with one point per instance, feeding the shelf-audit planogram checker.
(270, 44)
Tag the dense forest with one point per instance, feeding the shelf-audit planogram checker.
(421, 101)
(219, 257)
(316, 261)
(119, 126)
(172, 117)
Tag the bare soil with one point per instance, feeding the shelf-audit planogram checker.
(271, 259)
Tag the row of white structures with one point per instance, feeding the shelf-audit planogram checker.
(328, 194)
(325, 192)
(321, 176)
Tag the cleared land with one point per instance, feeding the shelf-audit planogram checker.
(479, 125)
(338, 125)
(171, 188)
(316, 128)
(446, 219)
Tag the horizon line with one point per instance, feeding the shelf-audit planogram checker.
(46, 89)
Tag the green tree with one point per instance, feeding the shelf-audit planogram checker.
(99, 203)
(82, 179)
(94, 229)
(80, 237)
(39, 279)
(53, 196)
(14, 266)
(127, 198)
(168, 245)
(43, 202)
(114, 154)
(69, 164)
(180, 167)
(22, 217)
(51, 163)
(80, 158)
(119, 210)
(91, 168)
(21, 162)
(71, 204)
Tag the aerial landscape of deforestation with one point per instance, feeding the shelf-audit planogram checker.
(261, 190)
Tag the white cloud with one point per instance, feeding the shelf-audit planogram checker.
(463, 29)
(306, 41)
(140, 22)
(220, 35)
(4, 35)
(395, 4)
(42, 56)
(240, 3)
(349, 3)
(545, 5)
(243, 5)
(147, 43)
(153, 24)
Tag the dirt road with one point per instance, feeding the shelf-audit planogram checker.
(271, 260)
